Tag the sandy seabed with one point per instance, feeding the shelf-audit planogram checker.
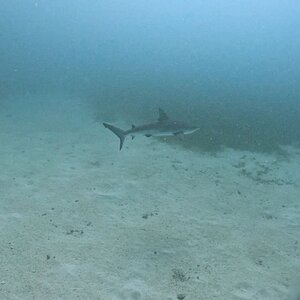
(81, 220)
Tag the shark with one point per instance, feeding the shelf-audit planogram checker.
(164, 126)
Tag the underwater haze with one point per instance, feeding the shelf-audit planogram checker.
(231, 66)
(210, 214)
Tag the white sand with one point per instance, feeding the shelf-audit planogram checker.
(81, 220)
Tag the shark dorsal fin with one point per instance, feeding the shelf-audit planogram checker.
(162, 115)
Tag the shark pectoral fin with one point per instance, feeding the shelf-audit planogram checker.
(148, 135)
(180, 135)
(162, 115)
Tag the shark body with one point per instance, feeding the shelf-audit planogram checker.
(164, 126)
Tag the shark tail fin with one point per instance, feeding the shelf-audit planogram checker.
(118, 132)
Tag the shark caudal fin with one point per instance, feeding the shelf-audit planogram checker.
(118, 132)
